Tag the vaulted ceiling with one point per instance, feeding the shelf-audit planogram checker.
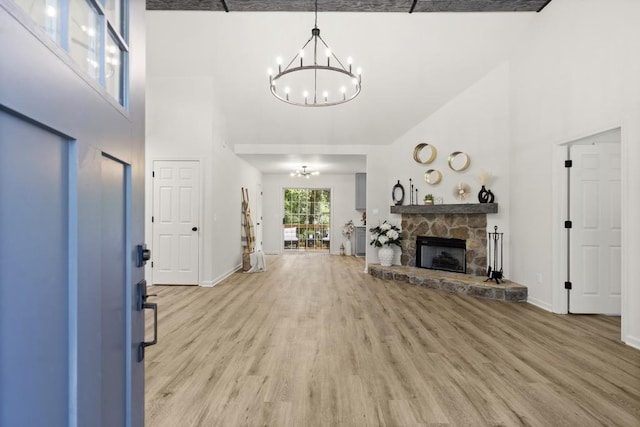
(413, 64)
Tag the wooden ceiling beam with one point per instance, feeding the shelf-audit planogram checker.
(400, 6)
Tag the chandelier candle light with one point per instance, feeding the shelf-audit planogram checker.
(313, 84)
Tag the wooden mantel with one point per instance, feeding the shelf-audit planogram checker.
(457, 208)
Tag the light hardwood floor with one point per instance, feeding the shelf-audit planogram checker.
(316, 342)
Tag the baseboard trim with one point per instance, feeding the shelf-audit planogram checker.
(540, 304)
(217, 280)
(632, 342)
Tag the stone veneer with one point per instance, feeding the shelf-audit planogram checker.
(471, 227)
(461, 284)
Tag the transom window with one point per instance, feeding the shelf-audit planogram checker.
(93, 32)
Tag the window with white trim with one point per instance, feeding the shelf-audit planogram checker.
(93, 32)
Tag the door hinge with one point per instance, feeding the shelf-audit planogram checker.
(568, 163)
(151, 264)
(153, 174)
(567, 285)
(568, 224)
(152, 219)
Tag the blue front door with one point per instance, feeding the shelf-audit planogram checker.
(71, 215)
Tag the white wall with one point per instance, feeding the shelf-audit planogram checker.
(183, 123)
(475, 122)
(575, 75)
(631, 227)
(379, 199)
(342, 206)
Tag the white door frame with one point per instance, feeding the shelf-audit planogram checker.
(259, 221)
(559, 209)
(202, 227)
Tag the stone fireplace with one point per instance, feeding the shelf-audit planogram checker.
(467, 222)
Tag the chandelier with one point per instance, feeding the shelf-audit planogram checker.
(314, 84)
(304, 173)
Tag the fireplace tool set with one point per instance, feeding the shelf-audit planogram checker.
(495, 239)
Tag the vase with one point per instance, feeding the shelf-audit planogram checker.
(482, 195)
(485, 196)
(347, 247)
(385, 256)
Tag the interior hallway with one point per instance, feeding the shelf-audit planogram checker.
(321, 343)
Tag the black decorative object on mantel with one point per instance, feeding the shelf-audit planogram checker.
(485, 196)
(410, 191)
(493, 273)
(397, 194)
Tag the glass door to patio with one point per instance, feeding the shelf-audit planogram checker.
(307, 220)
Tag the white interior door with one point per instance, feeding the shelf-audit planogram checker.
(595, 267)
(176, 212)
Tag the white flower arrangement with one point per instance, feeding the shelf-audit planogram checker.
(348, 229)
(385, 235)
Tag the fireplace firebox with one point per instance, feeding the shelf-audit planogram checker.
(437, 253)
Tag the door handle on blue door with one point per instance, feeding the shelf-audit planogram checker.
(142, 304)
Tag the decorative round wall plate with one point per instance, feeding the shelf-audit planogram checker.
(432, 176)
(459, 161)
(424, 153)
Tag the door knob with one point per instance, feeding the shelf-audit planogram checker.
(194, 229)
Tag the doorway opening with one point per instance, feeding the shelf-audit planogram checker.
(307, 220)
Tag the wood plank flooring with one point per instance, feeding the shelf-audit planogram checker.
(314, 341)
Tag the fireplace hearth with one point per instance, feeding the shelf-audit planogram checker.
(438, 253)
